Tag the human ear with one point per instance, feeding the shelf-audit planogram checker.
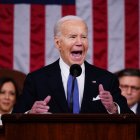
(57, 42)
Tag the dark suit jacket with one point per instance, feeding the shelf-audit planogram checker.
(138, 109)
(48, 81)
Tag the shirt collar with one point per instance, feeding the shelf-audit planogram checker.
(134, 108)
(65, 68)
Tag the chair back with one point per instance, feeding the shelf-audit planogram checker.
(18, 76)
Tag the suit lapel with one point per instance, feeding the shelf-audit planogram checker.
(91, 86)
(58, 92)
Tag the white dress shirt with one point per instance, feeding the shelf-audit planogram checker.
(134, 108)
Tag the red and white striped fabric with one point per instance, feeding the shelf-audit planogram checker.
(26, 33)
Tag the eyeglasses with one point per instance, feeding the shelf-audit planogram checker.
(126, 87)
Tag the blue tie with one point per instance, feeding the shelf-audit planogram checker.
(73, 95)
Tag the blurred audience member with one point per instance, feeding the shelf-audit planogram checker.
(130, 85)
(8, 95)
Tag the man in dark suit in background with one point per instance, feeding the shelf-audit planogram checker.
(130, 85)
(45, 90)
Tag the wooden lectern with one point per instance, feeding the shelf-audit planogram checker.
(70, 127)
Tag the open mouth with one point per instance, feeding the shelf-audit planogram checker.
(76, 54)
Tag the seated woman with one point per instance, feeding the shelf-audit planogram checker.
(8, 95)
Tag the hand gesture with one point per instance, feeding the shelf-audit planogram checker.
(107, 100)
(41, 107)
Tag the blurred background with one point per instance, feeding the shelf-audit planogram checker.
(26, 32)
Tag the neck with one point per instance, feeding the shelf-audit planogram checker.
(4, 112)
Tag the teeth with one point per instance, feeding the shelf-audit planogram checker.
(76, 55)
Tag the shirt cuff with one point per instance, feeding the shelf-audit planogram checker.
(118, 108)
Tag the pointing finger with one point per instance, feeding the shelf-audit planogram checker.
(47, 99)
(101, 88)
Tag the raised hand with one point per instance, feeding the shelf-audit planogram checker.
(107, 100)
(41, 107)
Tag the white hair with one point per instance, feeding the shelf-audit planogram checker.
(57, 27)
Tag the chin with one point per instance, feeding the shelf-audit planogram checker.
(79, 63)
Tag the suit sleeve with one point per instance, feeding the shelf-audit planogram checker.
(117, 97)
(27, 98)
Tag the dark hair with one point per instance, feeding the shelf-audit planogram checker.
(128, 72)
(4, 80)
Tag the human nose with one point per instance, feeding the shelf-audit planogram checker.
(7, 96)
(79, 40)
(129, 90)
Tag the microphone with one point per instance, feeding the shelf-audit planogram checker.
(75, 71)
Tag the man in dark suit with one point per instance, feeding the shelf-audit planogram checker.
(129, 80)
(45, 90)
